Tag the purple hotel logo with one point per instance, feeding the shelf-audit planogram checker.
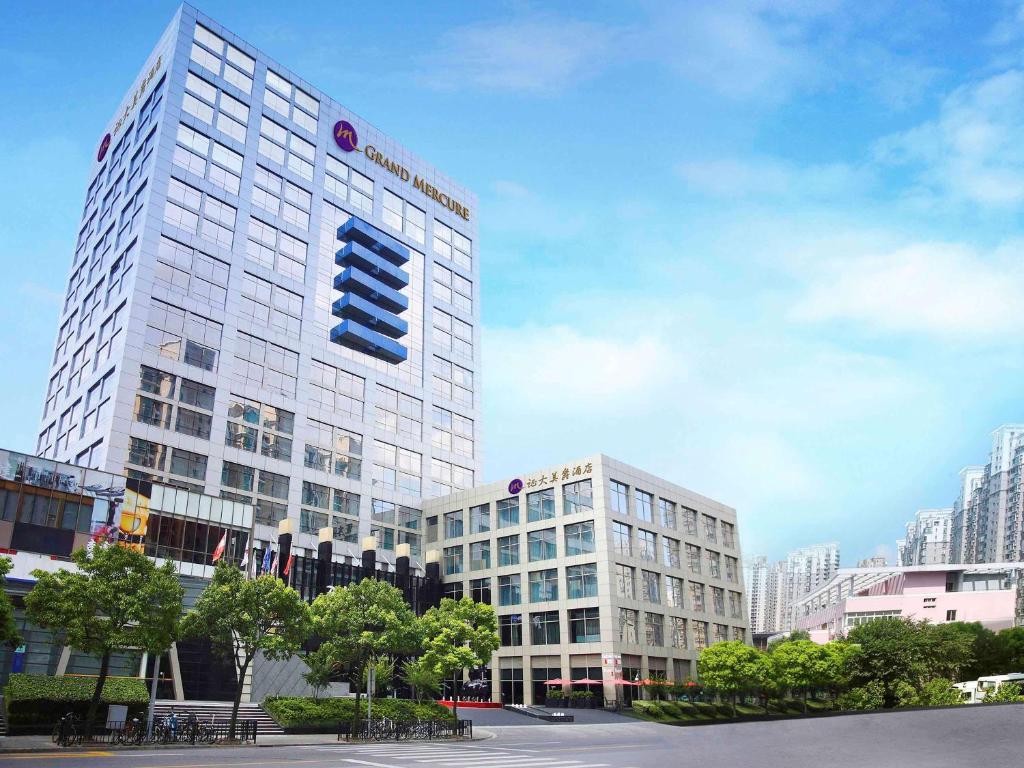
(515, 486)
(345, 136)
(104, 146)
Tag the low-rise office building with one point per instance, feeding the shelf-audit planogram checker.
(597, 570)
(985, 593)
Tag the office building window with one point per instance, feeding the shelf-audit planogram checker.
(644, 506)
(619, 494)
(625, 581)
(452, 560)
(509, 591)
(697, 596)
(735, 605)
(451, 432)
(690, 521)
(700, 635)
(731, 569)
(629, 621)
(678, 632)
(480, 518)
(622, 539)
(480, 590)
(510, 627)
(543, 585)
(693, 558)
(655, 628)
(728, 534)
(718, 600)
(453, 246)
(579, 538)
(399, 413)
(479, 555)
(651, 586)
(668, 513)
(577, 497)
(544, 628)
(674, 592)
(714, 564)
(540, 505)
(452, 590)
(581, 581)
(647, 547)
(584, 625)
(710, 528)
(670, 549)
(333, 450)
(508, 550)
(508, 512)
(397, 468)
(541, 544)
(453, 524)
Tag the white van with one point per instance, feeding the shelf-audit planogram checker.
(973, 691)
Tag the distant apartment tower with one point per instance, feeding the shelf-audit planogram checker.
(963, 534)
(765, 582)
(270, 301)
(876, 561)
(928, 538)
(806, 569)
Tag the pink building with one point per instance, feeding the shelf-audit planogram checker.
(985, 593)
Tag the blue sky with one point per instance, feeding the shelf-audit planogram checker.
(769, 250)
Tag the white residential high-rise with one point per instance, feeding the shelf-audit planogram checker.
(764, 585)
(270, 300)
(928, 538)
(806, 569)
(963, 535)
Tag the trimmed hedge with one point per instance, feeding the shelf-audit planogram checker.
(302, 713)
(35, 702)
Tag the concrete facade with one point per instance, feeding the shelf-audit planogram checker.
(632, 581)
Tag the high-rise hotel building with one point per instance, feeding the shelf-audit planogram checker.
(270, 301)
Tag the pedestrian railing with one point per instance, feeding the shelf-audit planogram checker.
(70, 731)
(392, 730)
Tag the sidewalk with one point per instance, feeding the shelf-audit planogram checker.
(11, 744)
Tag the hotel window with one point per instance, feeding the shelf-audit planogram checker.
(509, 590)
(579, 538)
(731, 569)
(336, 391)
(194, 423)
(510, 627)
(452, 590)
(152, 412)
(452, 560)
(678, 632)
(333, 450)
(190, 273)
(721, 633)
(397, 469)
(508, 512)
(671, 552)
(404, 217)
(540, 505)
(629, 621)
(693, 558)
(453, 524)
(399, 413)
(581, 581)
(674, 592)
(451, 432)
(697, 596)
(711, 528)
(651, 586)
(445, 476)
(267, 304)
(251, 423)
(668, 513)
(239, 67)
(146, 453)
(453, 382)
(453, 246)
(625, 581)
(647, 545)
(480, 590)
(198, 213)
(622, 538)
(714, 564)
(291, 102)
(735, 605)
(140, 161)
(655, 628)
(700, 635)
(198, 154)
(348, 184)
(287, 149)
(644, 506)
(584, 625)
(577, 497)
(544, 628)
(452, 334)
(480, 518)
(543, 585)
(168, 326)
(541, 544)
(452, 288)
(508, 550)
(690, 521)
(718, 600)
(276, 250)
(619, 494)
(728, 535)
(479, 555)
(200, 99)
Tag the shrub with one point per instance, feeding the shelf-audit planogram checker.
(671, 709)
(1005, 692)
(870, 696)
(35, 702)
(937, 693)
(304, 712)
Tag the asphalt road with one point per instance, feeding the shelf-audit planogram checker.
(985, 736)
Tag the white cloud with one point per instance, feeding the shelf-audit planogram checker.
(770, 177)
(540, 53)
(974, 150)
(935, 288)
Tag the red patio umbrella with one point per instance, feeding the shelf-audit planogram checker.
(625, 682)
(557, 681)
(650, 681)
(587, 681)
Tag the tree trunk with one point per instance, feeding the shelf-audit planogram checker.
(238, 698)
(455, 699)
(359, 690)
(805, 700)
(94, 705)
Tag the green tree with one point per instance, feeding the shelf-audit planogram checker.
(949, 649)
(1008, 653)
(319, 675)
(8, 630)
(938, 692)
(457, 635)
(117, 599)
(423, 680)
(243, 617)
(361, 621)
(797, 665)
(1005, 692)
(833, 664)
(986, 651)
(893, 653)
(383, 667)
(730, 668)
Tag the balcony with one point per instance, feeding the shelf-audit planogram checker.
(356, 230)
(356, 255)
(353, 280)
(351, 334)
(352, 307)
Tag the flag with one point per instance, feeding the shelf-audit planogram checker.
(244, 565)
(288, 565)
(273, 565)
(218, 553)
(266, 560)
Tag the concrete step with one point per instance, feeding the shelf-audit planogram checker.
(208, 711)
